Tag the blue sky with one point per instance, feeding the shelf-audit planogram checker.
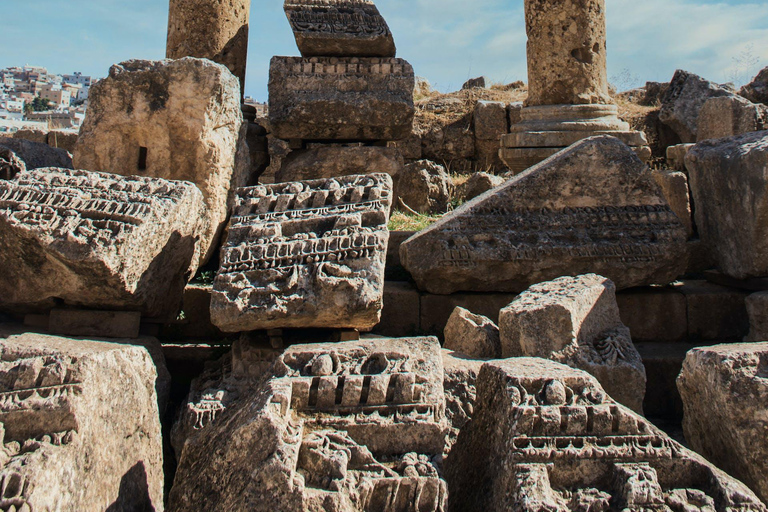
(447, 41)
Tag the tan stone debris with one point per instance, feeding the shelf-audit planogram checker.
(575, 321)
(593, 208)
(339, 28)
(305, 254)
(36, 155)
(350, 426)
(424, 187)
(546, 437)
(726, 116)
(725, 396)
(97, 240)
(79, 426)
(472, 335)
(178, 120)
(338, 160)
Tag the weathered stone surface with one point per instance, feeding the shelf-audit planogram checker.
(107, 324)
(726, 116)
(575, 321)
(472, 335)
(10, 164)
(81, 429)
(63, 139)
(209, 29)
(435, 310)
(477, 184)
(757, 90)
(349, 427)
(730, 191)
(32, 134)
(339, 28)
(424, 187)
(36, 155)
(487, 157)
(460, 392)
(715, 313)
(674, 186)
(97, 240)
(654, 314)
(683, 100)
(546, 437)
(400, 311)
(333, 161)
(331, 98)
(490, 120)
(757, 309)
(676, 156)
(725, 396)
(474, 83)
(178, 120)
(619, 226)
(566, 53)
(305, 254)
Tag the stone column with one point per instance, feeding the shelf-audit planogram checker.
(566, 52)
(210, 29)
(568, 98)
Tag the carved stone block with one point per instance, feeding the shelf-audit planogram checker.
(575, 321)
(305, 254)
(546, 437)
(339, 28)
(593, 208)
(79, 426)
(349, 426)
(349, 98)
(97, 240)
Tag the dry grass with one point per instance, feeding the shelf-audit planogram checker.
(401, 221)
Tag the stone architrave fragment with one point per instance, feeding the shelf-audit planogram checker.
(79, 426)
(725, 398)
(547, 437)
(339, 28)
(472, 335)
(682, 102)
(353, 426)
(730, 193)
(305, 254)
(210, 29)
(349, 98)
(593, 208)
(726, 116)
(96, 240)
(178, 120)
(575, 321)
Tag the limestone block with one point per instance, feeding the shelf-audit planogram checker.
(674, 186)
(64, 139)
(210, 30)
(451, 142)
(547, 437)
(757, 309)
(400, 310)
(80, 426)
(36, 155)
(473, 335)
(514, 112)
(349, 98)
(715, 313)
(10, 164)
(757, 90)
(106, 324)
(305, 254)
(197, 316)
(332, 161)
(437, 309)
(619, 225)
(410, 147)
(347, 426)
(460, 392)
(490, 119)
(730, 191)
(566, 53)
(32, 134)
(479, 183)
(575, 321)
(725, 395)
(726, 116)
(339, 28)
(177, 120)
(683, 100)
(423, 186)
(97, 240)
(676, 156)
(487, 156)
(654, 313)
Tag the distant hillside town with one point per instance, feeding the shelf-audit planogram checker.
(31, 97)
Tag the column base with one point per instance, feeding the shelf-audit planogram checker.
(546, 130)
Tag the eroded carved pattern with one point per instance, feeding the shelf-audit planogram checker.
(359, 24)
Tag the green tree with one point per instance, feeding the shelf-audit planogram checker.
(41, 105)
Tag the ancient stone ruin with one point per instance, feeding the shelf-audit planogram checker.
(370, 296)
